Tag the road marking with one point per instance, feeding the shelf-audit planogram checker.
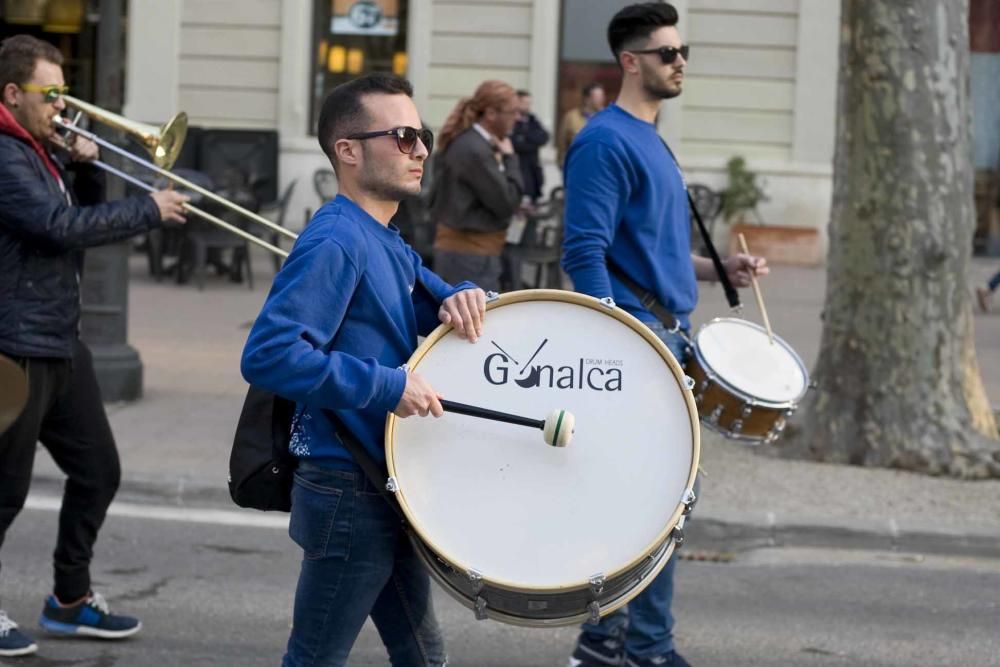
(249, 518)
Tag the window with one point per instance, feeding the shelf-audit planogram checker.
(353, 37)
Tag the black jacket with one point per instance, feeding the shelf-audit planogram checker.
(470, 190)
(41, 241)
(528, 136)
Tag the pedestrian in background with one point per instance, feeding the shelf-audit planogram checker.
(528, 137)
(985, 294)
(574, 119)
(477, 186)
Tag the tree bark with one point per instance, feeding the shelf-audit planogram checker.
(897, 383)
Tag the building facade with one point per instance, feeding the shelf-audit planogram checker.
(761, 82)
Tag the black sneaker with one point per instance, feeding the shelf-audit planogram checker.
(672, 659)
(597, 652)
(13, 642)
(90, 617)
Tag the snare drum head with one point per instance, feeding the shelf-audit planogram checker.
(742, 355)
(494, 498)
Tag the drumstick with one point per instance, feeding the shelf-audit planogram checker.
(756, 293)
(557, 428)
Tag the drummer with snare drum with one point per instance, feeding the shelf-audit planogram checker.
(627, 224)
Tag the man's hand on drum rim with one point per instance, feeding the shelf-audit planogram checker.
(741, 267)
(419, 398)
(465, 311)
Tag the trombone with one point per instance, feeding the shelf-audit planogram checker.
(164, 144)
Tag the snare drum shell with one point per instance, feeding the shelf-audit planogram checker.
(735, 412)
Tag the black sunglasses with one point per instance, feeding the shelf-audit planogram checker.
(406, 137)
(668, 54)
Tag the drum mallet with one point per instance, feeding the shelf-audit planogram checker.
(557, 428)
(756, 293)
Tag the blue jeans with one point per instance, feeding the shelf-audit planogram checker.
(646, 624)
(357, 561)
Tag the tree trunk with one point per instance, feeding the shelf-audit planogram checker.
(897, 383)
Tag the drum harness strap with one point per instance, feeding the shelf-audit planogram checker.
(649, 300)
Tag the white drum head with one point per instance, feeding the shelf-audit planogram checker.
(494, 498)
(741, 354)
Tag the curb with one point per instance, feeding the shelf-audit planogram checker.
(706, 530)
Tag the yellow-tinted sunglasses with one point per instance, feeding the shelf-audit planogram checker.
(49, 93)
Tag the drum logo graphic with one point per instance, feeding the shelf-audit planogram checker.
(596, 374)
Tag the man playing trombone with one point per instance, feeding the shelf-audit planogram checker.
(43, 231)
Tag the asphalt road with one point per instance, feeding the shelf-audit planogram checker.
(215, 594)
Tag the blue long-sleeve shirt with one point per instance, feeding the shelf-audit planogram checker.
(341, 318)
(626, 200)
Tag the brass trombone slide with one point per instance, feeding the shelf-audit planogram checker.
(165, 145)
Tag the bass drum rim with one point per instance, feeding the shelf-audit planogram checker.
(608, 308)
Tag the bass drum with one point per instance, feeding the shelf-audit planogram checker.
(535, 535)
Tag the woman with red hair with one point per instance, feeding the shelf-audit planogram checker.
(477, 186)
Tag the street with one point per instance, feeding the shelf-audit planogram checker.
(213, 593)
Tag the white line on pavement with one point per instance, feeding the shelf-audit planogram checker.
(248, 518)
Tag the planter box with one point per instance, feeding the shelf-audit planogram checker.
(779, 244)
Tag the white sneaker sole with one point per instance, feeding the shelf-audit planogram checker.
(14, 652)
(56, 628)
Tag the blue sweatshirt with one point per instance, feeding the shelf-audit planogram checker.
(626, 199)
(342, 316)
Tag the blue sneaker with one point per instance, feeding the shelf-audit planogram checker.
(90, 617)
(13, 642)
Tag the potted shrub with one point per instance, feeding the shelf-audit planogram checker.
(780, 244)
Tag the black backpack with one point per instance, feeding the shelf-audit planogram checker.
(260, 465)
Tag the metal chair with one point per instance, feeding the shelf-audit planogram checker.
(279, 209)
(540, 245)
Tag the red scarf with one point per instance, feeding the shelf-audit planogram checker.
(10, 126)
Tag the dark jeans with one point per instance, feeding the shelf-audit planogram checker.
(64, 412)
(995, 282)
(454, 267)
(357, 562)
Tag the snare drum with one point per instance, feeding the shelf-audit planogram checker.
(745, 386)
(529, 534)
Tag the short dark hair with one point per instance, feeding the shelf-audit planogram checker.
(20, 53)
(521, 92)
(589, 88)
(637, 22)
(344, 113)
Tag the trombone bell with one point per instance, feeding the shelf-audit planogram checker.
(163, 143)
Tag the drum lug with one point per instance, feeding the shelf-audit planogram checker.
(689, 499)
(608, 302)
(737, 426)
(480, 608)
(689, 382)
(595, 612)
(789, 412)
(678, 532)
(698, 398)
(747, 410)
(492, 296)
(705, 384)
(597, 583)
(391, 485)
(716, 414)
(476, 579)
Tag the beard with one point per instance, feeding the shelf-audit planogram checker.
(659, 89)
(380, 181)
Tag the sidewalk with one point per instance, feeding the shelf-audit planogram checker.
(175, 442)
